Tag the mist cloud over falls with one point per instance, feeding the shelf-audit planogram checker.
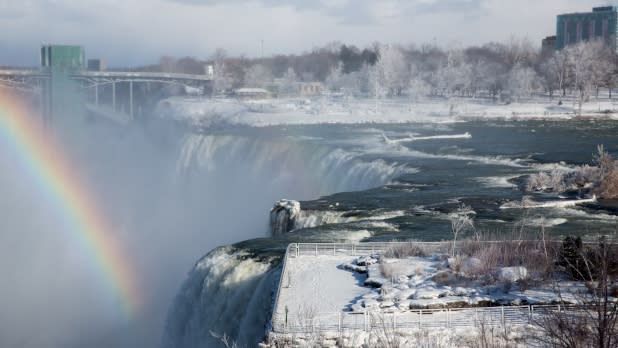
(171, 198)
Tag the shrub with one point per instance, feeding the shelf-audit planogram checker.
(608, 187)
(571, 257)
(554, 181)
(404, 250)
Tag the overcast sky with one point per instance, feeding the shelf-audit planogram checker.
(133, 32)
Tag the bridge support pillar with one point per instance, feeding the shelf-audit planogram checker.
(114, 96)
(131, 99)
(96, 95)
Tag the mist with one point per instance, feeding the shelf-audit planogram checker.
(166, 214)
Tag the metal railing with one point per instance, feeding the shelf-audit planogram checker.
(415, 319)
(274, 317)
(362, 249)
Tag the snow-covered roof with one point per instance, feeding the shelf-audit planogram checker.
(251, 91)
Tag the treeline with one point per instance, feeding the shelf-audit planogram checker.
(514, 70)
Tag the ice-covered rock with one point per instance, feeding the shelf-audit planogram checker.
(471, 265)
(428, 292)
(375, 282)
(387, 304)
(405, 294)
(403, 305)
(371, 303)
(355, 268)
(512, 274)
(283, 216)
(366, 260)
(371, 295)
(357, 307)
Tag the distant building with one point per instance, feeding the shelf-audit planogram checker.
(309, 89)
(600, 24)
(96, 65)
(252, 93)
(548, 44)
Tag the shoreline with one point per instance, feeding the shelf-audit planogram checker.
(209, 112)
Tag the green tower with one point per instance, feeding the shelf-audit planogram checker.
(61, 97)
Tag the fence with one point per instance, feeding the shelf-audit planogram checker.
(414, 319)
(362, 249)
(282, 322)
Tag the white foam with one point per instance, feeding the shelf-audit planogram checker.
(548, 204)
(545, 222)
(497, 181)
(312, 218)
(601, 217)
(412, 138)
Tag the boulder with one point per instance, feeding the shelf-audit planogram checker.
(512, 274)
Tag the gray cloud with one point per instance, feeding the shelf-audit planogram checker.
(363, 12)
(139, 31)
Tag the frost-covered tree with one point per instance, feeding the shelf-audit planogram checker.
(335, 80)
(376, 82)
(258, 76)
(289, 82)
(418, 87)
(557, 68)
(454, 75)
(522, 82)
(392, 70)
(222, 78)
(587, 65)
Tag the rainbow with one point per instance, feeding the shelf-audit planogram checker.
(43, 160)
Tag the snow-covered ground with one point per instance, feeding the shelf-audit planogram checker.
(319, 284)
(414, 296)
(205, 112)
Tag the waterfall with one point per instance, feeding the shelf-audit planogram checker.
(229, 291)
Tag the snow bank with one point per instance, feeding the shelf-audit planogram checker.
(205, 112)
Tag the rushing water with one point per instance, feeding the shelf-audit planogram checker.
(367, 183)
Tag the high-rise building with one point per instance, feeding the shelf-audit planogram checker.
(548, 45)
(60, 93)
(600, 24)
(62, 57)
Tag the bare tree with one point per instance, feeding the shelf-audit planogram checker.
(383, 331)
(594, 321)
(519, 51)
(461, 220)
(225, 340)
